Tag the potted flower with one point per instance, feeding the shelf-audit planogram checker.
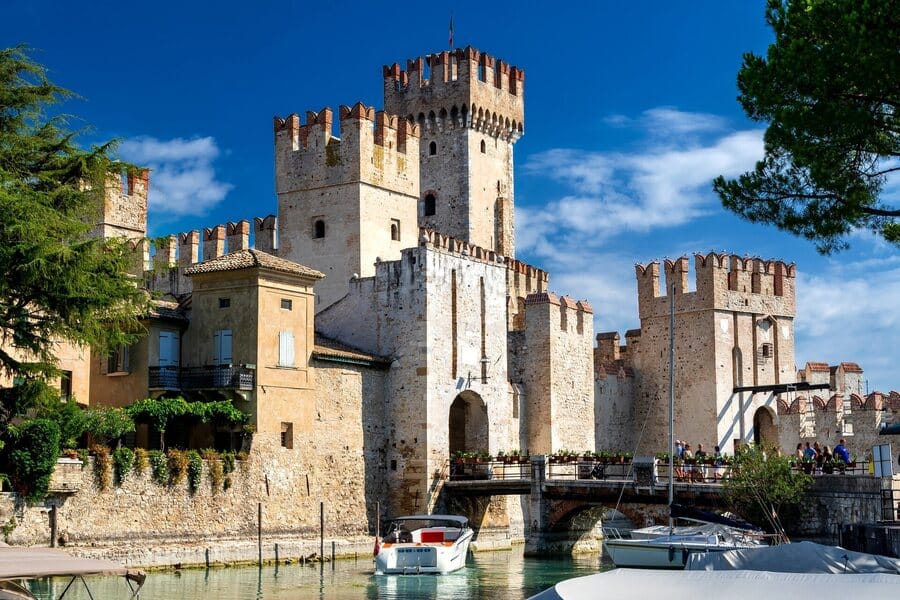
(807, 464)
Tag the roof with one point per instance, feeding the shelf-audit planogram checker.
(251, 258)
(32, 563)
(166, 309)
(817, 366)
(327, 348)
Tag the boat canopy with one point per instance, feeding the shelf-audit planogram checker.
(626, 584)
(799, 557)
(462, 521)
(679, 511)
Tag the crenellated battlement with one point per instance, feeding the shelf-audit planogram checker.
(464, 88)
(174, 252)
(123, 212)
(453, 245)
(461, 65)
(727, 282)
(373, 147)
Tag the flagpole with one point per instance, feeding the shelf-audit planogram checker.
(450, 35)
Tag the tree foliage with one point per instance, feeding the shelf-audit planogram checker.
(829, 88)
(59, 282)
(32, 457)
(761, 487)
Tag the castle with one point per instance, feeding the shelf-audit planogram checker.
(381, 321)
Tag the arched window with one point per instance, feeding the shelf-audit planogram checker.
(430, 205)
(395, 230)
(319, 229)
(432, 148)
(483, 145)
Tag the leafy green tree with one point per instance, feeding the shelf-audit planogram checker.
(32, 457)
(59, 282)
(762, 486)
(828, 88)
(108, 424)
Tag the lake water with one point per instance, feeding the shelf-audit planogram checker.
(503, 575)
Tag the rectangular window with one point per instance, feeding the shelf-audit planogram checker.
(767, 350)
(395, 230)
(222, 350)
(287, 304)
(119, 362)
(224, 302)
(287, 435)
(169, 349)
(65, 386)
(285, 349)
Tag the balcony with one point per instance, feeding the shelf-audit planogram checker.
(218, 377)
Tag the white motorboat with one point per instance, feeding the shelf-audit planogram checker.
(424, 544)
(673, 551)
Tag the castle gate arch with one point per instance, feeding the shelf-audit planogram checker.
(764, 432)
(468, 423)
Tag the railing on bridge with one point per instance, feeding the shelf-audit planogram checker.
(481, 470)
(616, 470)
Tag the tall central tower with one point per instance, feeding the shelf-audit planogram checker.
(470, 110)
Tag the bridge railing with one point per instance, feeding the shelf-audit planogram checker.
(589, 469)
(693, 473)
(483, 470)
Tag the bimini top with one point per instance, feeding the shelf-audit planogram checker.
(32, 563)
(463, 521)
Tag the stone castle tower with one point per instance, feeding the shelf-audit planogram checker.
(735, 330)
(470, 109)
(345, 202)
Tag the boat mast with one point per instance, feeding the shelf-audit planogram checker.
(671, 405)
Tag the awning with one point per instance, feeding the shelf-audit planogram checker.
(32, 563)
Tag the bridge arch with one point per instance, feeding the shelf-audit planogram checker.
(468, 423)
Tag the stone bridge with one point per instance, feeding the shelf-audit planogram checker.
(566, 504)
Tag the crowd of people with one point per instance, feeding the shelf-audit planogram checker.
(693, 465)
(822, 455)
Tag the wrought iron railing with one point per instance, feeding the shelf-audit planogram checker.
(202, 378)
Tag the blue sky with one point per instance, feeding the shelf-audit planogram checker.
(630, 113)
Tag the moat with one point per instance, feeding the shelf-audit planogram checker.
(502, 575)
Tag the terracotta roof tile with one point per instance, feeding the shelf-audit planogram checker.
(249, 259)
(166, 309)
(817, 366)
(326, 347)
(850, 367)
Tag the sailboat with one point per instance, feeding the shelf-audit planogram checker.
(671, 549)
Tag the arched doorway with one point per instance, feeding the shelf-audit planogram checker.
(468, 423)
(764, 432)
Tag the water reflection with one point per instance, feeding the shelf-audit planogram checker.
(493, 575)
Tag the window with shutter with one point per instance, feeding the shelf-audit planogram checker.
(119, 362)
(222, 354)
(285, 349)
(169, 349)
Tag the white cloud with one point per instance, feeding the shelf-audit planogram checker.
(182, 179)
(847, 312)
(664, 121)
(665, 184)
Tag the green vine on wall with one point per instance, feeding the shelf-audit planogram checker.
(123, 459)
(159, 467)
(194, 470)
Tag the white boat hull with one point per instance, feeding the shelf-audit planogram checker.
(661, 553)
(420, 558)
